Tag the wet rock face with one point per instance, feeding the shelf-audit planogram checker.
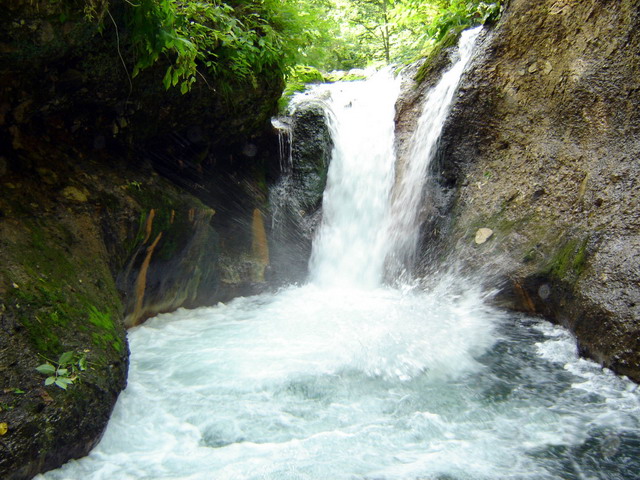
(311, 154)
(542, 147)
(118, 201)
(89, 245)
(57, 294)
(296, 200)
(84, 246)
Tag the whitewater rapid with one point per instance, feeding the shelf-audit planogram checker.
(348, 379)
(313, 383)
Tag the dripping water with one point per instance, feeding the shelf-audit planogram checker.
(285, 139)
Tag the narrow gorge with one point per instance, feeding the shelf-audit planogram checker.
(360, 290)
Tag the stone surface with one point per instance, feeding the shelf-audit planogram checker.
(311, 154)
(297, 198)
(118, 201)
(482, 235)
(542, 147)
(74, 194)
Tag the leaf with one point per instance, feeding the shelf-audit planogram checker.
(62, 372)
(46, 369)
(184, 88)
(61, 384)
(65, 358)
(4, 428)
(166, 81)
(49, 381)
(66, 380)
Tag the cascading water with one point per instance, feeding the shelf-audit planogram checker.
(362, 381)
(405, 223)
(283, 130)
(350, 247)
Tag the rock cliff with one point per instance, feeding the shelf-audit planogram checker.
(118, 200)
(296, 200)
(542, 151)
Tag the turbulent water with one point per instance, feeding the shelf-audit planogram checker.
(345, 378)
(352, 244)
(316, 384)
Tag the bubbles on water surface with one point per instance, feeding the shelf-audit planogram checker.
(350, 384)
(317, 384)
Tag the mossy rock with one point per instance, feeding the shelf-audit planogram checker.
(300, 78)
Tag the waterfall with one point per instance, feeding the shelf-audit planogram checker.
(363, 226)
(364, 381)
(405, 221)
(351, 245)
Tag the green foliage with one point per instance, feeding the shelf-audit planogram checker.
(570, 260)
(375, 18)
(105, 334)
(96, 9)
(361, 33)
(327, 45)
(65, 371)
(461, 14)
(100, 319)
(233, 42)
(298, 80)
(447, 25)
(154, 32)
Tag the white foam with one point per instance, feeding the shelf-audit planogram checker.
(315, 383)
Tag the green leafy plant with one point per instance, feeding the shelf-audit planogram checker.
(65, 371)
(232, 42)
(135, 184)
(461, 14)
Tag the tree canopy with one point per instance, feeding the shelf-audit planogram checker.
(398, 31)
(233, 41)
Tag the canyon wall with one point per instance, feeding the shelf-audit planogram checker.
(538, 171)
(118, 200)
